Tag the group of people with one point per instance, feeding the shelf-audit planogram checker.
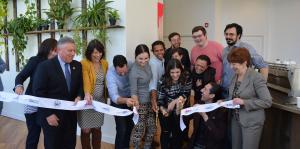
(158, 87)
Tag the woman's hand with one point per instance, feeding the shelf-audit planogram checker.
(238, 101)
(88, 97)
(164, 112)
(179, 104)
(136, 102)
(171, 105)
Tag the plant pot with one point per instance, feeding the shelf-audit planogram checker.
(39, 28)
(60, 25)
(46, 27)
(112, 21)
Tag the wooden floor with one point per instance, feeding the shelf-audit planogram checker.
(13, 135)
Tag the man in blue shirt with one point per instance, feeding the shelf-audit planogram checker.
(157, 67)
(233, 33)
(119, 93)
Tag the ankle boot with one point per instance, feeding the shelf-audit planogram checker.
(96, 138)
(85, 140)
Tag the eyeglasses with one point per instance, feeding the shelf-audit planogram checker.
(196, 36)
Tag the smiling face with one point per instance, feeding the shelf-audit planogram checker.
(175, 74)
(231, 36)
(142, 59)
(175, 41)
(67, 52)
(177, 56)
(238, 68)
(96, 55)
(200, 66)
(199, 38)
(206, 96)
(159, 51)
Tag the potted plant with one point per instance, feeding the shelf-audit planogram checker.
(3, 13)
(113, 16)
(19, 26)
(94, 18)
(60, 10)
(17, 29)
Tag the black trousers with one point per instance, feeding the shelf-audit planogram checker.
(171, 134)
(124, 125)
(62, 136)
(34, 130)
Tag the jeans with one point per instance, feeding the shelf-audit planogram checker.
(124, 127)
(34, 131)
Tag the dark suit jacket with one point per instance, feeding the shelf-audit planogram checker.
(185, 58)
(254, 91)
(206, 77)
(213, 130)
(49, 81)
(28, 71)
(2, 69)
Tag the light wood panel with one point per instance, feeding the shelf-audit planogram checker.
(13, 135)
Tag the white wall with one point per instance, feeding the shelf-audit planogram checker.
(121, 41)
(251, 15)
(181, 16)
(141, 24)
(284, 30)
(271, 26)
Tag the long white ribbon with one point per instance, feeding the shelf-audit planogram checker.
(205, 108)
(62, 104)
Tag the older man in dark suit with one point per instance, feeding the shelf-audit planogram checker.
(59, 78)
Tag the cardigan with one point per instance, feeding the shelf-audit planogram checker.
(89, 75)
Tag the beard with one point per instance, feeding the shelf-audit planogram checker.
(230, 42)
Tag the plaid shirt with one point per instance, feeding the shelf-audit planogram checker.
(168, 94)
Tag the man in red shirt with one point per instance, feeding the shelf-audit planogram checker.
(206, 47)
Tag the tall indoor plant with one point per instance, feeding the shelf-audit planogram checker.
(94, 18)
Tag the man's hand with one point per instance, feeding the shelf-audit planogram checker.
(154, 106)
(76, 100)
(153, 96)
(130, 102)
(52, 120)
(220, 101)
(19, 90)
(204, 116)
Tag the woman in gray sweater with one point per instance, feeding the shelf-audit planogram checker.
(139, 79)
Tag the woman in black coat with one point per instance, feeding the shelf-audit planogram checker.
(47, 50)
